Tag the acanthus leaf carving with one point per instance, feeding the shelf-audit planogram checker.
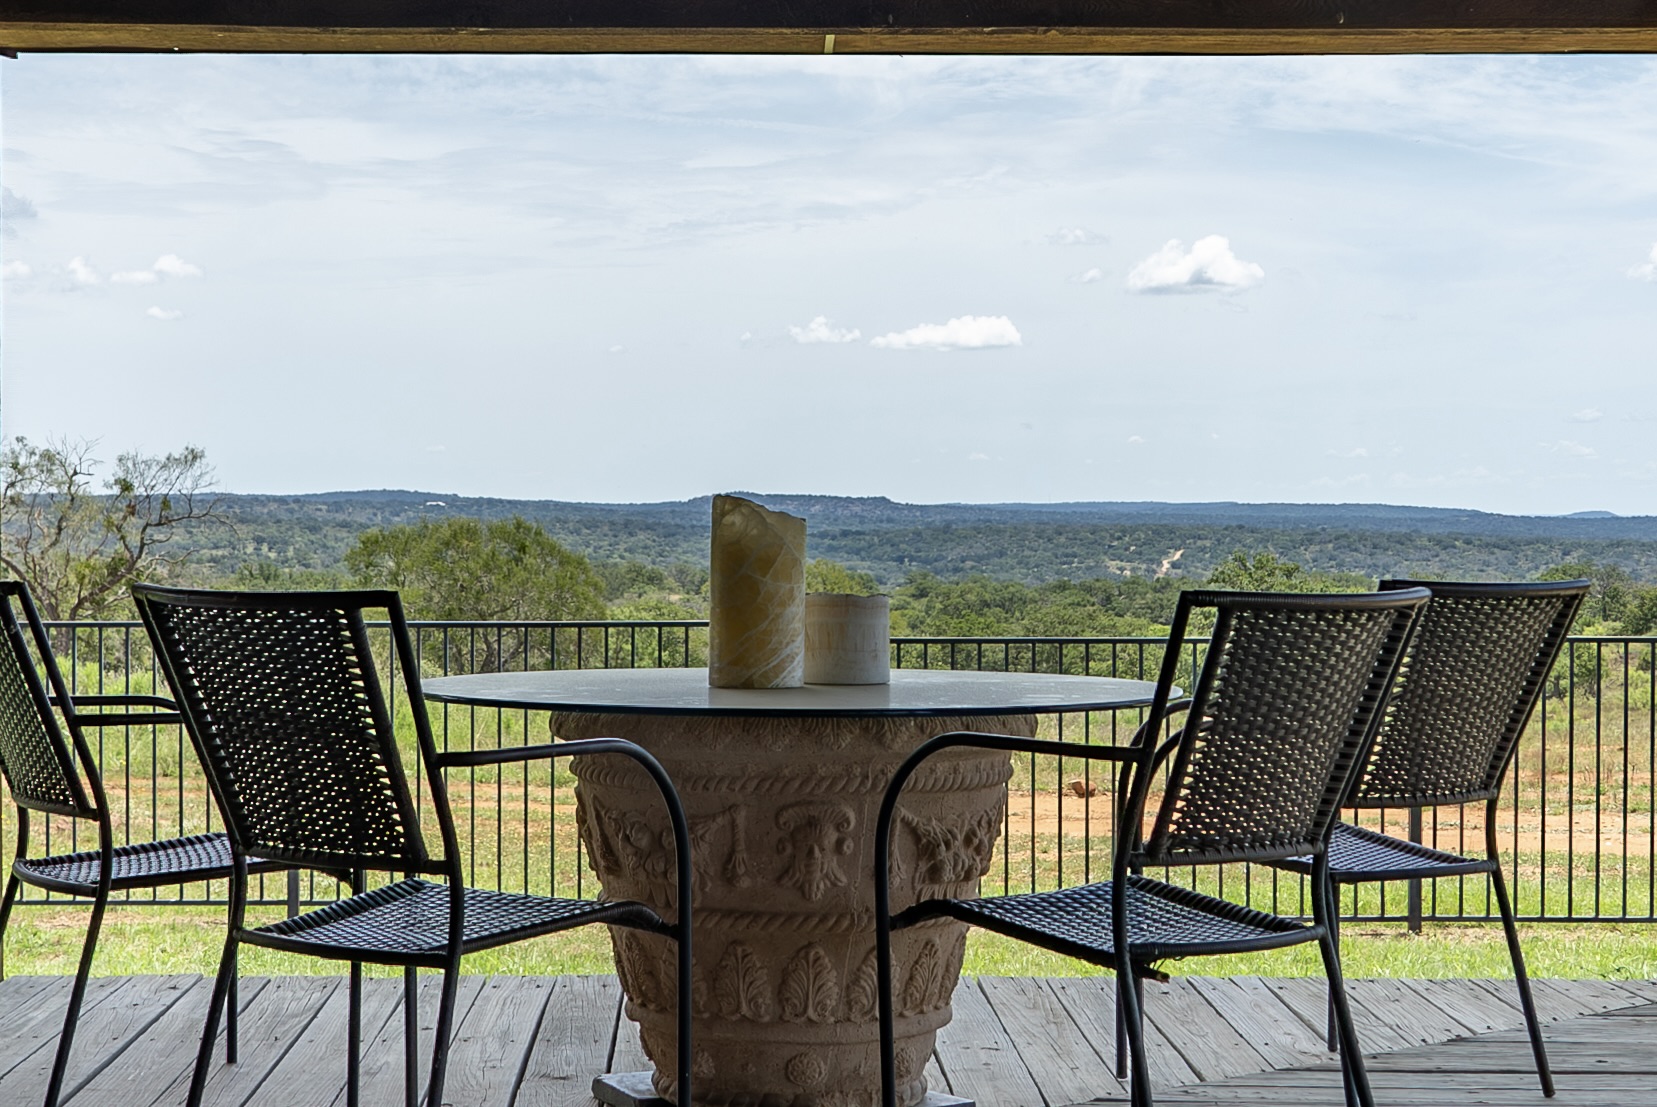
(862, 994)
(740, 987)
(810, 989)
(922, 982)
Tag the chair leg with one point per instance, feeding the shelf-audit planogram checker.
(5, 917)
(1353, 1077)
(353, 1038)
(1527, 1004)
(231, 1012)
(210, 1031)
(1332, 1034)
(411, 1036)
(1130, 1007)
(1121, 1043)
(77, 994)
(445, 1028)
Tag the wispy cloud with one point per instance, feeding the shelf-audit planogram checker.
(1587, 415)
(1354, 452)
(1572, 449)
(171, 265)
(82, 273)
(1647, 270)
(15, 271)
(1208, 264)
(1074, 236)
(821, 330)
(166, 315)
(167, 265)
(968, 332)
(1089, 276)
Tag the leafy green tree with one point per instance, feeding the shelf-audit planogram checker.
(1266, 572)
(466, 569)
(1611, 598)
(823, 575)
(78, 549)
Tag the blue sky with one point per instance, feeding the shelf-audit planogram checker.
(1405, 280)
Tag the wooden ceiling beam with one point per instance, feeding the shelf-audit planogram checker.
(834, 26)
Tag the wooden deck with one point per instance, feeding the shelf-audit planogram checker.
(538, 1041)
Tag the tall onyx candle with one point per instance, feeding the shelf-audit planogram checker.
(756, 621)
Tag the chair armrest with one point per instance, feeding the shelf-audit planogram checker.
(459, 759)
(164, 713)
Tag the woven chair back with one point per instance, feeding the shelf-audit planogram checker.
(1481, 657)
(283, 700)
(34, 755)
(1287, 701)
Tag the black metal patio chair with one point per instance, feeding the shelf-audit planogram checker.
(1285, 704)
(1481, 656)
(283, 697)
(51, 774)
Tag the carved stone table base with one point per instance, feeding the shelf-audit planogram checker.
(638, 1089)
(782, 814)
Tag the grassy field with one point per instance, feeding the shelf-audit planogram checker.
(46, 939)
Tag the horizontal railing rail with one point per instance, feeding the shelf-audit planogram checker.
(1577, 822)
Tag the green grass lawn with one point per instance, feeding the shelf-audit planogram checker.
(188, 939)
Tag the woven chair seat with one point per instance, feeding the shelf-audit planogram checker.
(1164, 921)
(410, 919)
(140, 865)
(1359, 855)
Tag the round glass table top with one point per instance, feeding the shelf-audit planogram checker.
(912, 692)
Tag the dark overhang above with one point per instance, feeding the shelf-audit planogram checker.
(834, 26)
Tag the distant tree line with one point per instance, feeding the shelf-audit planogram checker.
(80, 541)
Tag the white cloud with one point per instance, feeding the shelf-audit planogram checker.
(1354, 452)
(166, 315)
(1648, 270)
(1208, 264)
(1587, 415)
(617, 349)
(968, 332)
(1074, 236)
(171, 265)
(1089, 277)
(1573, 449)
(1136, 440)
(135, 276)
(15, 271)
(978, 457)
(82, 273)
(821, 330)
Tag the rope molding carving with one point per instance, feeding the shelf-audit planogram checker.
(850, 779)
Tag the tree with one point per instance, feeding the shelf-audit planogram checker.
(78, 549)
(1266, 572)
(459, 568)
(823, 575)
(507, 570)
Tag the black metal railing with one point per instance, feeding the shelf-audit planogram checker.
(1577, 823)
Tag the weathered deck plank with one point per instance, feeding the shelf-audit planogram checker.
(490, 1045)
(537, 1042)
(571, 1044)
(977, 1054)
(1065, 1066)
